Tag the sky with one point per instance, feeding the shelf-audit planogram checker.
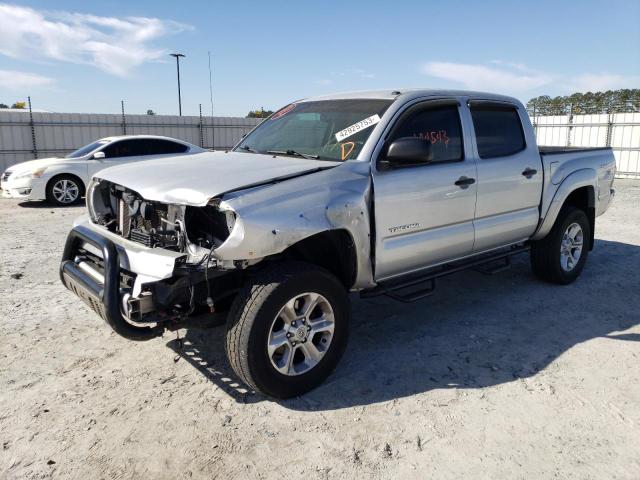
(87, 56)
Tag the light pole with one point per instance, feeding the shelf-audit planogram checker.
(178, 55)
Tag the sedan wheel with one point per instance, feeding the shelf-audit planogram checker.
(64, 190)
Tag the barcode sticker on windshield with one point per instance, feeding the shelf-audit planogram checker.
(357, 127)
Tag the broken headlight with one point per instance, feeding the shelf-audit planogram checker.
(209, 226)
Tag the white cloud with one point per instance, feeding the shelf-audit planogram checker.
(114, 45)
(601, 82)
(14, 80)
(503, 77)
(518, 78)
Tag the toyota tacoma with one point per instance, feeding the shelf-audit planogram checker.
(379, 193)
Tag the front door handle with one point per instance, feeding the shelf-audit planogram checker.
(464, 182)
(529, 172)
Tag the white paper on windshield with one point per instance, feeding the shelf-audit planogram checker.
(357, 127)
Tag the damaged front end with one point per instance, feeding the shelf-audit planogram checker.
(146, 266)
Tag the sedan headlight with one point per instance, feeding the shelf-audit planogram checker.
(35, 173)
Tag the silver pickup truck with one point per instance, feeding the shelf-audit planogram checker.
(379, 192)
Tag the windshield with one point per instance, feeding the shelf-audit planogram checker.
(325, 130)
(82, 151)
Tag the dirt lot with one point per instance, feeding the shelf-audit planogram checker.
(492, 377)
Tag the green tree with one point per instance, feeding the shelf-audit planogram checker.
(19, 105)
(2, 105)
(262, 113)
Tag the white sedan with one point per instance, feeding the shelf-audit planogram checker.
(62, 181)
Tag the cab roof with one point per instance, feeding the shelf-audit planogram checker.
(410, 93)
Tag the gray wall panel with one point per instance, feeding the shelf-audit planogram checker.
(61, 133)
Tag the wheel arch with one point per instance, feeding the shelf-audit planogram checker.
(333, 250)
(578, 190)
(584, 199)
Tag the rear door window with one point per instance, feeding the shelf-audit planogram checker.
(163, 147)
(498, 131)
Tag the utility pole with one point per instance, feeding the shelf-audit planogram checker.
(213, 123)
(178, 55)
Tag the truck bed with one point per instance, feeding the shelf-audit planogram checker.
(560, 162)
(557, 150)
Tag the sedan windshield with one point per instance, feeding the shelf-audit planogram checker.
(82, 151)
(325, 130)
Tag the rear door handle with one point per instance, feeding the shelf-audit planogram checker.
(529, 172)
(464, 182)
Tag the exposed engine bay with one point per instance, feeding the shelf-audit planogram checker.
(192, 230)
(199, 281)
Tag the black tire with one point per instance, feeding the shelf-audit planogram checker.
(252, 315)
(51, 195)
(545, 253)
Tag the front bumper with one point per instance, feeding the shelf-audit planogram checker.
(102, 295)
(132, 286)
(24, 188)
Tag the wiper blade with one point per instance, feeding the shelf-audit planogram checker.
(247, 148)
(294, 154)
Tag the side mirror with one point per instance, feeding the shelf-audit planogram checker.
(407, 152)
(98, 156)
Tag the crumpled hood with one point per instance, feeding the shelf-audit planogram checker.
(195, 179)
(33, 164)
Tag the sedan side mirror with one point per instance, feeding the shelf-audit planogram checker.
(98, 156)
(407, 152)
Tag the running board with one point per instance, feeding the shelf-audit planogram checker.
(417, 286)
(504, 265)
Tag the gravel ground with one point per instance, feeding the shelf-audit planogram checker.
(492, 377)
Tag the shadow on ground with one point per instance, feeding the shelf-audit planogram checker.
(45, 204)
(475, 331)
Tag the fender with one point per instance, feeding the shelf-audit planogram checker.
(272, 218)
(586, 177)
(77, 169)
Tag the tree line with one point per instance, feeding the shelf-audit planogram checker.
(18, 105)
(612, 101)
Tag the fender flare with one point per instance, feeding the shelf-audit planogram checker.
(586, 177)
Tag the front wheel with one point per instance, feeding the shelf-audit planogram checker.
(561, 255)
(287, 329)
(64, 190)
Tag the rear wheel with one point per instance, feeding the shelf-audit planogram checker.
(64, 190)
(561, 255)
(287, 329)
